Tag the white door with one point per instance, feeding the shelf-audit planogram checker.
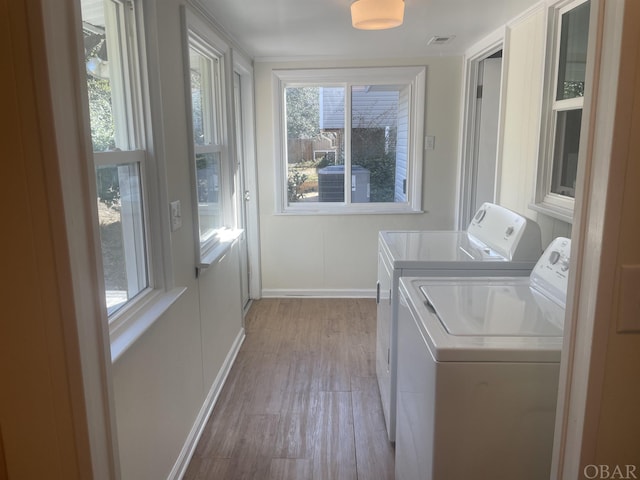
(487, 142)
(243, 195)
(480, 159)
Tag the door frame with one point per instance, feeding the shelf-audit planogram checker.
(595, 236)
(244, 67)
(482, 50)
(87, 325)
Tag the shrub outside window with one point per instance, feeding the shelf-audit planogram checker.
(349, 140)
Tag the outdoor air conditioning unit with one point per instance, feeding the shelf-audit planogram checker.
(331, 184)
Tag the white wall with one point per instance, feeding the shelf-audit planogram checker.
(330, 254)
(162, 381)
(524, 58)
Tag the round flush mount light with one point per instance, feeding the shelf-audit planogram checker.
(377, 14)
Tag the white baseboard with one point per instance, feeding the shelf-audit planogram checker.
(318, 293)
(180, 467)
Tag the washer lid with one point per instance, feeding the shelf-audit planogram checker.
(475, 308)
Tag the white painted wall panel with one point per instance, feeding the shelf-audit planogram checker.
(525, 56)
(161, 383)
(158, 392)
(220, 312)
(525, 50)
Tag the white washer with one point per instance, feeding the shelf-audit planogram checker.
(497, 242)
(478, 365)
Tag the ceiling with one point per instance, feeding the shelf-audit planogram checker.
(322, 28)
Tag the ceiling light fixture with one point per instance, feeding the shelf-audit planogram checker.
(377, 14)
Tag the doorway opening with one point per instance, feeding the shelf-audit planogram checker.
(480, 165)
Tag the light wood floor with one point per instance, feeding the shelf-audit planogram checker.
(301, 401)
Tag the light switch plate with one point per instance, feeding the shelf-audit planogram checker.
(629, 305)
(429, 142)
(176, 215)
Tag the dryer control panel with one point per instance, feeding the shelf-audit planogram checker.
(506, 232)
(551, 274)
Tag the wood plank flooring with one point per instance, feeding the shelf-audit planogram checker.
(301, 401)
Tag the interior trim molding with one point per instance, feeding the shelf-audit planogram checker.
(318, 293)
(190, 444)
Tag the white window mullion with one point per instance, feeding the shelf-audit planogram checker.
(568, 104)
(402, 186)
(133, 238)
(208, 120)
(118, 157)
(113, 29)
(132, 71)
(348, 181)
(211, 148)
(281, 142)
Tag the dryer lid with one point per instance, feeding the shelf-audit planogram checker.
(474, 308)
(438, 247)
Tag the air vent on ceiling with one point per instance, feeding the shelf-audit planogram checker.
(441, 39)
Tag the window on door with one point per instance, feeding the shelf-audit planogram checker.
(213, 173)
(205, 71)
(560, 139)
(350, 141)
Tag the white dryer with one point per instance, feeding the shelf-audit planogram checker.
(478, 366)
(497, 242)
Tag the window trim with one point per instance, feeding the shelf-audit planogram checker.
(131, 112)
(545, 201)
(414, 76)
(128, 323)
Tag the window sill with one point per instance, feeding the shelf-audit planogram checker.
(351, 210)
(140, 319)
(554, 211)
(215, 254)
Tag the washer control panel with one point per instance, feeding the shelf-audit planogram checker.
(551, 274)
(506, 232)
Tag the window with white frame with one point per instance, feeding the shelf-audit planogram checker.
(117, 134)
(349, 140)
(565, 86)
(213, 191)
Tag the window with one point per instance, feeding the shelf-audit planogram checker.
(205, 79)
(212, 178)
(565, 88)
(117, 134)
(349, 140)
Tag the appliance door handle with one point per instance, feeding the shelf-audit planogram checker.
(432, 309)
(377, 292)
